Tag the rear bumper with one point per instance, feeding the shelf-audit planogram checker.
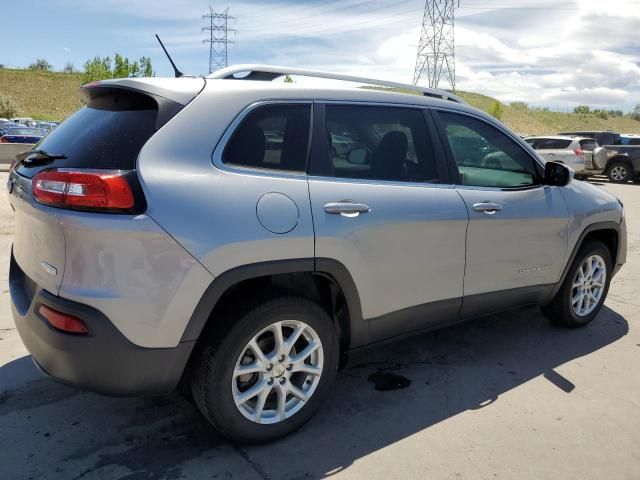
(103, 360)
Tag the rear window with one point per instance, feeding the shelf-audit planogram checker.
(108, 133)
(26, 131)
(550, 144)
(588, 145)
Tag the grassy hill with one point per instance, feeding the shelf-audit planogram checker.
(42, 95)
(535, 122)
(54, 96)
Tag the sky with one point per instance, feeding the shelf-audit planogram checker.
(547, 53)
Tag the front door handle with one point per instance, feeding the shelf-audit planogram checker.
(346, 208)
(487, 207)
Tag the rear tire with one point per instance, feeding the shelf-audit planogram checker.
(223, 393)
(584, 289)
(619, 172)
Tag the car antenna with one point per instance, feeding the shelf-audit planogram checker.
(177, 72)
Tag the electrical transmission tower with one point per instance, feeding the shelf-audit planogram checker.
(218, 40)
(436, 55)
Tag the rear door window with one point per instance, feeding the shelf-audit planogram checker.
(274, 137)
(380, 143)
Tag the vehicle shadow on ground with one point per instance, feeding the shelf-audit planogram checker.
(49, 429)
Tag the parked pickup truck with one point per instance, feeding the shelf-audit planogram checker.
(623, 160)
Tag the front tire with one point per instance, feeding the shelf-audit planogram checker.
(584, 289)
(619, 172)
(264, 375)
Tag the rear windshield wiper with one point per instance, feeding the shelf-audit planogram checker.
(38, 157)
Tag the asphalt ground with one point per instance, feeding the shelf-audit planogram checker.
(507, 396)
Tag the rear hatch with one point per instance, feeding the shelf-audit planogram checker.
(105, 135)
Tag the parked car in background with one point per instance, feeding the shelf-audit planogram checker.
(623, 160)
(21, 120)
(22, 135)
(6, 125)
(582, 154)
(46, 126)
(195, 254)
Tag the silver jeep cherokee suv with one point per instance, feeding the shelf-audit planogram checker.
(240, 236)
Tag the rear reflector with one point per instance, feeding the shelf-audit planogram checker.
(62, 321)
(92, 189)
(579, 152)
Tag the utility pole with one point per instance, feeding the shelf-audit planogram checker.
(218, 28)
(436, 54)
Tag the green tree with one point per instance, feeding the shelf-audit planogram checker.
(8, 107)
(288, 79)
(146, 69)
(97, 69)
(41, 64)
(68, 68)
(636, 113)
(495, 110)
(582, 109)
(121, 67)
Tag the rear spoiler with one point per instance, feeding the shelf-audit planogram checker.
(142, 95)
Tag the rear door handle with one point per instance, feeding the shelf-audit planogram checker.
(346, 208)
(487, 207)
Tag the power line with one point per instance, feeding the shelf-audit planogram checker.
(218, 40)
(436, 53)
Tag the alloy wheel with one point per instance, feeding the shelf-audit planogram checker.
(588, 285)
(618, 173)
(277, 372)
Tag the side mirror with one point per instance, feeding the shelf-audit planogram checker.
(557, 174)
(357, 156)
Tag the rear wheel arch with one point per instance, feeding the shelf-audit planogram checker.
(324, 281)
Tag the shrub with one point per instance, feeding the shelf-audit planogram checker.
(495, 110)
(8, 107)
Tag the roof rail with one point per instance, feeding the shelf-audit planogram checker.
(269, 72)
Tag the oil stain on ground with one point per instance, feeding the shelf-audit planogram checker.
(386, 381)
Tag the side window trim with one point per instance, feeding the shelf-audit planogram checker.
(453, 167)
(320, 164)
(219, 148)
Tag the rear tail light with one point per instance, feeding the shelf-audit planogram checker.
(84, 189)
(579, 152)
(62, 321)
(4, 140)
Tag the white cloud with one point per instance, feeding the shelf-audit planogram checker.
(570, 53)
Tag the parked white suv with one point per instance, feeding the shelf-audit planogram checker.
(582, 154)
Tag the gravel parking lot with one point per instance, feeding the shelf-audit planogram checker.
(507, 396)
